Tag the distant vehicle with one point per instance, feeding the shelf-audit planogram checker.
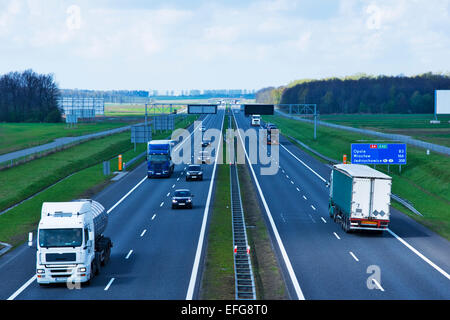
(203, 128)
(70, 244)
(159, 159)
(272, 133)
(359, 197)
(194, 172)
(205, 143)
(182, 198)
(256, 120)
(204, 157)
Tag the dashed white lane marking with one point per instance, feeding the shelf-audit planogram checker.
(154, 216)
(178, 179)
(324, 221)
(173, 186)
(109, 284)
(336, 235)
(305, 198)
(129, 254)
(168, 193)
(143, 232)
(162, 203)
(314, 208)
(353, 255)
(378, 285)
(292, 182)
(298, 189)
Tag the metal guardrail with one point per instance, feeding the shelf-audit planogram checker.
(244, 280)
(397, 198)
(398, 137)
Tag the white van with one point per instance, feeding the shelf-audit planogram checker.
(256, 120)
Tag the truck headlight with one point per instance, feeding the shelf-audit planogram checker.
(188, 200)
(40, 271)
(82, 269)
(174, 201)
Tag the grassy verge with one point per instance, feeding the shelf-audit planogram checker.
(268, 277)
(17, 222)
(218, 277)
(424, 181)
(17, 136)
(417, 126)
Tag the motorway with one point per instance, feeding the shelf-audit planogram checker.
(157, 253)
(321, 261)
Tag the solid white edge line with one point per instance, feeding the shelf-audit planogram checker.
(436, 267)
(109, 284)
(23, 287)
(318, 175)
(286, 259)
(195, 267)
(125, 196)
(353, 255)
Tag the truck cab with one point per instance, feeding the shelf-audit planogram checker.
(70, 246)
(256, 120)
(159, 158)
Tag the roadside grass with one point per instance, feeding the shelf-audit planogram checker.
(17, 222)
(424, 181)
(268, 277)
(17, 136)
(417, 126)
(218, 276)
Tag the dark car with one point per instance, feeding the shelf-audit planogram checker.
(205, 144)
(194, 172)
(182, 198)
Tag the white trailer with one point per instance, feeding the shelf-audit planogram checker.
(360, 197)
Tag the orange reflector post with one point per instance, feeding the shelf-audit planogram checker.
(344, 160)
(235, 249)
(120, 162)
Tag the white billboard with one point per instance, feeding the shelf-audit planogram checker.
(442, 102)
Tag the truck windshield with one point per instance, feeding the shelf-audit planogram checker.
(60, 237)
(158, 157)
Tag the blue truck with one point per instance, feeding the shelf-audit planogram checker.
(159, 158)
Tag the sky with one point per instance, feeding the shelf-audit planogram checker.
(228, 44)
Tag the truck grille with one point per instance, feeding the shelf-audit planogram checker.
(55, 257)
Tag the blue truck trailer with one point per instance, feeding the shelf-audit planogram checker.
(159, 158)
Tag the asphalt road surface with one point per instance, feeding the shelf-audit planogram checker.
(321, 261)
(157, 251)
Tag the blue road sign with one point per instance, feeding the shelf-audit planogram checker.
(378, 153)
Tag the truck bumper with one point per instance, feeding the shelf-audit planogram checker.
(62, 274)
(364, 224)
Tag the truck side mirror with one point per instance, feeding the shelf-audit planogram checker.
(30, 239)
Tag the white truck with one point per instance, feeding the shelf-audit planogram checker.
(256, 120)
(359, 197)
(70, 243)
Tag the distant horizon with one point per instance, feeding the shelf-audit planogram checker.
(180, 45)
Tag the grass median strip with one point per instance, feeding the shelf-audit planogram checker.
(424, 181)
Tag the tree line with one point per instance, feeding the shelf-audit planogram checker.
(28, 97)
(362, 93)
